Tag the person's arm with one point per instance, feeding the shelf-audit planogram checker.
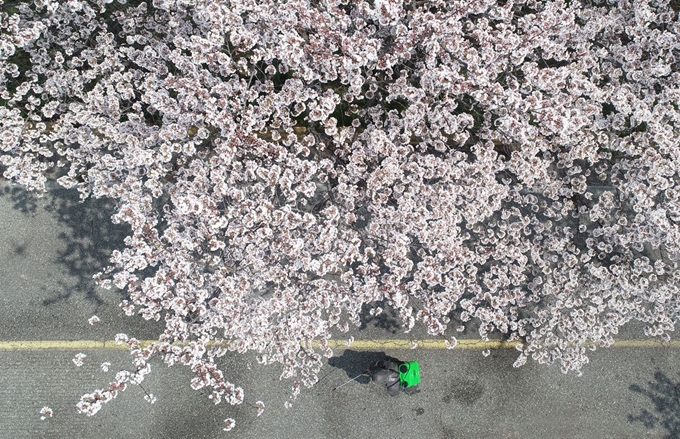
(376, 366)
(391, 366)
(393, 388)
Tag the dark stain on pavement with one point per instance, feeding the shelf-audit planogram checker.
(420, 411)
(464, 391)
(20, 250)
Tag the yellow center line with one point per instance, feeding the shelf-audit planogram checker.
(395, 344)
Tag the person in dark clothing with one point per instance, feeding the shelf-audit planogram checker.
(386, 372)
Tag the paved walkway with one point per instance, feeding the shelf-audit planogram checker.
(50, 247)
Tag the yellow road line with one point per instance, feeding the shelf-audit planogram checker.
(479, 344)
(387, 344)
(58, 344)
(651, 343)
(419, 344)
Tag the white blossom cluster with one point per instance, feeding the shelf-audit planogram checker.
(507, 165)
(91, 403)
(46, 413)
(78, 359)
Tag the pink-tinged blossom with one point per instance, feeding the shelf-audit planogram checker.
(471, 163)
(45, 413)
(260, 407)
(229, 424)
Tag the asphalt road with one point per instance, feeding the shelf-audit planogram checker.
(50, 248)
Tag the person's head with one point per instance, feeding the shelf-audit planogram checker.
(379, 378)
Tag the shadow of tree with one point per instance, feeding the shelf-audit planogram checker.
(388, 319)
(665, 395)
(22, 200)
(90, 239)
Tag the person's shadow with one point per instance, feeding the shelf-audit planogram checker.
(353, 363)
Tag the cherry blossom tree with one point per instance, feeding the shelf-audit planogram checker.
(510, 166)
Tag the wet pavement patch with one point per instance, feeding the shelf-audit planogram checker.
(464, 391)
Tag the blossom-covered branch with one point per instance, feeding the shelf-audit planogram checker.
(282, 164)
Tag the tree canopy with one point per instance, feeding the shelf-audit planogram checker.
(284, 165)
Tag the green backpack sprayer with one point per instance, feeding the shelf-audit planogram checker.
(409, 374)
